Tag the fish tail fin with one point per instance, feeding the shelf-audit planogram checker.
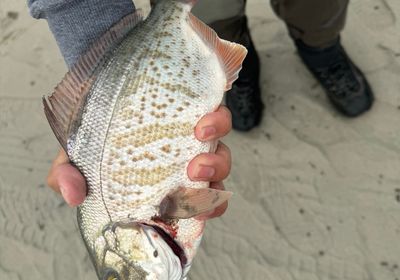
(231, 55)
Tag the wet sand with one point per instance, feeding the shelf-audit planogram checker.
(317, 196)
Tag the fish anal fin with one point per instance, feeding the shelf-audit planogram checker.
(62, 108)
(186, 203)
(231, 55)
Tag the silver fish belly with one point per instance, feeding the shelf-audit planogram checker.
(126, 114)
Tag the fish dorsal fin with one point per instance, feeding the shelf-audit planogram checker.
(186, 203)
(62, 108)
(230, 54)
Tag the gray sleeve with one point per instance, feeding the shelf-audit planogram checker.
(76, 24)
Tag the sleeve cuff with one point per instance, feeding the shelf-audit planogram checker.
(76, 24)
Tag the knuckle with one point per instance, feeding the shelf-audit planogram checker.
(226, 112)
(224, 170)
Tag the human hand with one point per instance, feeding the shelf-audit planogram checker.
(66, 179)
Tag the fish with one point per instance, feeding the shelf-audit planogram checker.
(125, 114)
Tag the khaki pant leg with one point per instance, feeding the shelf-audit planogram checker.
(316, 22)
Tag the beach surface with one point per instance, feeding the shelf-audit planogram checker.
(316, 195)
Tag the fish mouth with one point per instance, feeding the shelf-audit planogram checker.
(166, 233)
(155, 252)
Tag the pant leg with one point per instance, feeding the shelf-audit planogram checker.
(316, 22)
(226, 17)
(211, 11)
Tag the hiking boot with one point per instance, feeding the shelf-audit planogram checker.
(345, 85)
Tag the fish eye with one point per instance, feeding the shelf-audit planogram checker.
(110, 274)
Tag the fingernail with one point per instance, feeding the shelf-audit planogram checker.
(207, 132)
(205, 172)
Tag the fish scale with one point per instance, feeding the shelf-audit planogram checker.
(136, 98)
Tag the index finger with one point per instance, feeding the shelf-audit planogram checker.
(214, 125)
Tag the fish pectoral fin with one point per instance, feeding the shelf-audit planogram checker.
(63, 107)
(230, 54)
(186, 203)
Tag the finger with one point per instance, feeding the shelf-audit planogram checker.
(217, 211)
(71, 184)
(211, 167)
(217, 186)
(67, 180)
(60, 159)
(214, 125)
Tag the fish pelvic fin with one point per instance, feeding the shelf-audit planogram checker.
(231, 55)
(65, 104)
(186, 203)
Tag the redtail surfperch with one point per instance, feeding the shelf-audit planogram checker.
(125, 114)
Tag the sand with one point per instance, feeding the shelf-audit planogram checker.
(316, 195)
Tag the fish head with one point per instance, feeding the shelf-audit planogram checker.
(134, 251)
